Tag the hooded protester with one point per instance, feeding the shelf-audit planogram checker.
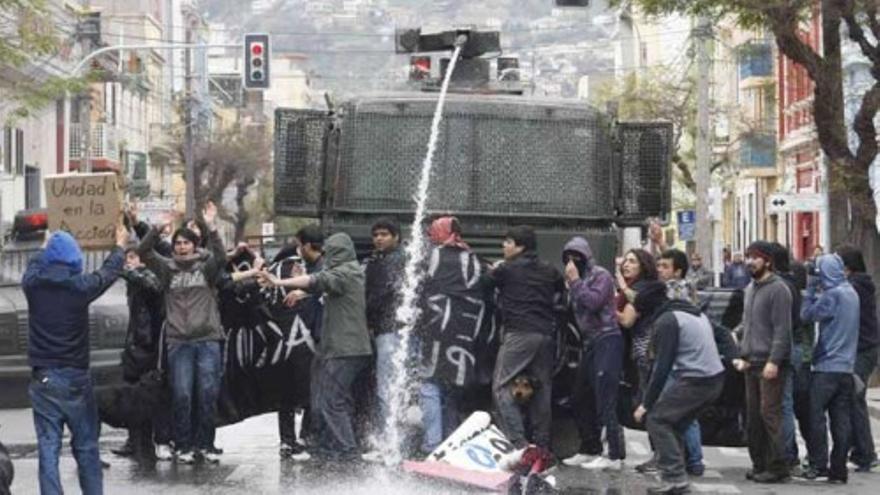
(766, 354)
(145, 319)
(796, 402)
(863, 454)
(529, 294)
(453, 320)
(591, 297)
(193, 333)
(344, 350)
(836, 310)
(58, 296)
(688, 376)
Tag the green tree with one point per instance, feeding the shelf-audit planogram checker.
(29, 35)
(848, 173)
(238, 157)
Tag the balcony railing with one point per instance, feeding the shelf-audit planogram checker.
(103, 142)
(755, 60)
(758, 151)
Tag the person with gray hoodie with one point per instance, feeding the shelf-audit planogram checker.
(591, 298)
(344, 351)
(836, 309)
(193, 333)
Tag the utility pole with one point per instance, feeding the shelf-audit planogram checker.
(189, 122)
(703, 37)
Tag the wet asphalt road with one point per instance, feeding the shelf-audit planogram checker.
(251, 465)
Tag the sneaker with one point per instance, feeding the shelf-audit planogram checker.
(696, 470)
(285, 451)
(300, 454)
(812, 473)
(750, 474)
(164, 452)
(603, 464)
(374, 456)
(797, 471)
(647, 467)
(578, 459)
(836, 481)
(209, 456)
(213, 449)
(771, 478)
(665, 488)
(184, 457)
(126, 450)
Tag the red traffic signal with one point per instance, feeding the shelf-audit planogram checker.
(256, 61)
(419, 68)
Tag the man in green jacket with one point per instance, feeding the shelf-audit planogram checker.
(344, 351)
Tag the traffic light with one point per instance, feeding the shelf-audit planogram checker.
(256, 61)
(419, 68)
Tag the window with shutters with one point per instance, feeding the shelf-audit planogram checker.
(19, 152)
(6, 151)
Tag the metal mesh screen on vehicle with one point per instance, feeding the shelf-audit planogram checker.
(494, 157)
(299, 159)
(644, 188)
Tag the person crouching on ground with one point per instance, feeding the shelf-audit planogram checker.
(688, 375)
(530, 291)
(344, 351)
(591, 297)
(193, 332)
(58, 295)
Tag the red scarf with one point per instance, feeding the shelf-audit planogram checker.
(441, 234)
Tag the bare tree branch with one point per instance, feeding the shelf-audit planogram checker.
(864, 127)
(857, 34)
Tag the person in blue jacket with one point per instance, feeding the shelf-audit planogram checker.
(58, 295)
(836, 309)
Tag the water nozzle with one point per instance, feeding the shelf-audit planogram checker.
(461, 39)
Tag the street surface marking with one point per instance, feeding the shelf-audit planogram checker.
(712, 488)
(637, 448)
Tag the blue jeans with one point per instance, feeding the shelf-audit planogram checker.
(196, 374)
(693, 438)
(64, 396)
(386, 346)
(440, 413)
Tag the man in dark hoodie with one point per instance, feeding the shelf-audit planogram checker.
(863, 454)
(58, 295)
(591, 294)
(688, 375)
(794, 403)
(766, 352)
(529, 296)
(836, 310)
(193, 332)
(344, 350)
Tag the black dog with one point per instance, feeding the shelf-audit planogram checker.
(133, 405)
(7, 472)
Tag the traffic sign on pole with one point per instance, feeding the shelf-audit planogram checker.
(784, 203)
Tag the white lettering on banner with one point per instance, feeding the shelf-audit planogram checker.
(459, 358)
(443, 312)
(478, 318)
(299, 334)
(435, 355)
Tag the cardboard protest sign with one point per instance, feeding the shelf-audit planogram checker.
(86, 205)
